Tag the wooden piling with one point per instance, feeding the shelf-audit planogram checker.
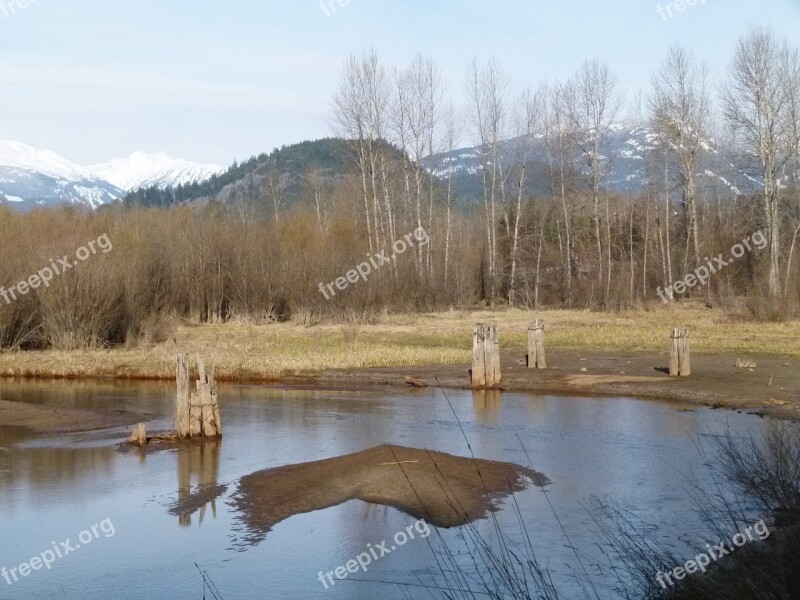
(536, 355)
(183, 399)
(139, 436)
(212, 382)
(485, 356)
(196, 412)
(680, 355)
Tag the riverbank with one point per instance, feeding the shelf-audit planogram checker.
(596, 354)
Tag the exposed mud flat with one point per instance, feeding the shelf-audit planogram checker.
(771, 388)
(46, 419)
(443, 489)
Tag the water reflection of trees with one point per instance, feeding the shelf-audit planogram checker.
(143, 397)
(50, 468)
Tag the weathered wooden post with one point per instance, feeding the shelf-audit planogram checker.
(205, 419)
(679, 354)
(183, 400)
(212, 382)
(485, 356)
(139, 436)
(536, 357)
(196, 412)
(478, 356)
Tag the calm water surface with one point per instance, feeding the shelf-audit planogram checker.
(53, 487)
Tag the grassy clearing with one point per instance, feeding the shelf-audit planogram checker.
(269, 351)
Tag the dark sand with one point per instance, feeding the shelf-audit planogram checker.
(772, 388)
(44, 419)
(443, 489)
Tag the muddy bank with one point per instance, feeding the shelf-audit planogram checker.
(445, 490)
(771, 388)
(44, 419)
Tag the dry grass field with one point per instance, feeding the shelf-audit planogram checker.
(265, 352)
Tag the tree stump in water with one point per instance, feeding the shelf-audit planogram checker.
(197, 413)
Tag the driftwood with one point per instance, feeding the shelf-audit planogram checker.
(415, 382)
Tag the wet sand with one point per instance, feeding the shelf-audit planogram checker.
(44, 419)
(445, 490)
(772, 388)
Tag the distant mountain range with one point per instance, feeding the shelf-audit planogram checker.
(160, 170)
(31, 178)
(627, 152)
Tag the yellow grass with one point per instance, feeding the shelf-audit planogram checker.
(270, 351)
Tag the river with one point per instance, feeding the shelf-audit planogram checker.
(638, 453)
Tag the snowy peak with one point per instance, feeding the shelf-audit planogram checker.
(16, 155)
(31, 178)
(158, 169)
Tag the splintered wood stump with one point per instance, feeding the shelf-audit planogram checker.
(679, 354)
(197, 412)
(485, 356)
(536, 357)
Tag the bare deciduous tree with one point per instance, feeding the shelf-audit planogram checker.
(680, 114)
(487, 88)
(759, 103)
(593, 102)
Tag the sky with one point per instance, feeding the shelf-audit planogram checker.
(214, 80)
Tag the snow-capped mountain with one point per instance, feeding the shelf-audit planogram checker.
(31, 178)
(153, 170)
(628, 154)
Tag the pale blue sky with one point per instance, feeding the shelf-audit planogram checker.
(214, 80)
